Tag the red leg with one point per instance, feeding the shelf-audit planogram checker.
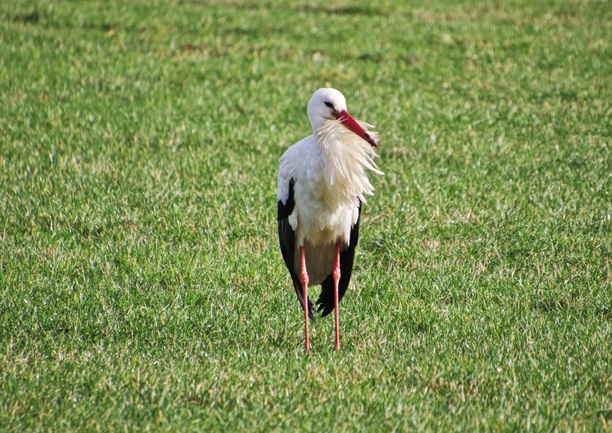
(304, 277)
(336, 278)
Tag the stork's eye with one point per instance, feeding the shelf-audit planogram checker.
(329, 104)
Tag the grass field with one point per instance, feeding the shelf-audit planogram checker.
(141, 285)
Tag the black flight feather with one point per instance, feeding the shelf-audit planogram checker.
(286, 238)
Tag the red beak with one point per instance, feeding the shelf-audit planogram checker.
(348, 121)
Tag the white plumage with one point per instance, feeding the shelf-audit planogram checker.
(322, 182)
(329, 170)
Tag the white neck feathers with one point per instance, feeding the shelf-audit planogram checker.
(347, 159)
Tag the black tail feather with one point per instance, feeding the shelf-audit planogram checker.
(326, 298)
(297, 284)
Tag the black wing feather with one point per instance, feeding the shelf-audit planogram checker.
(326, 298)
(286, 238)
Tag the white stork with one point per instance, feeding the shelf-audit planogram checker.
(322, 181)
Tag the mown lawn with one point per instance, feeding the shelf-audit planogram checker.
(141, 285)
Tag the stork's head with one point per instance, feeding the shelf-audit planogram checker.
(330, 105)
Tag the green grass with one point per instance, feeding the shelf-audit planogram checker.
(141, 286)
